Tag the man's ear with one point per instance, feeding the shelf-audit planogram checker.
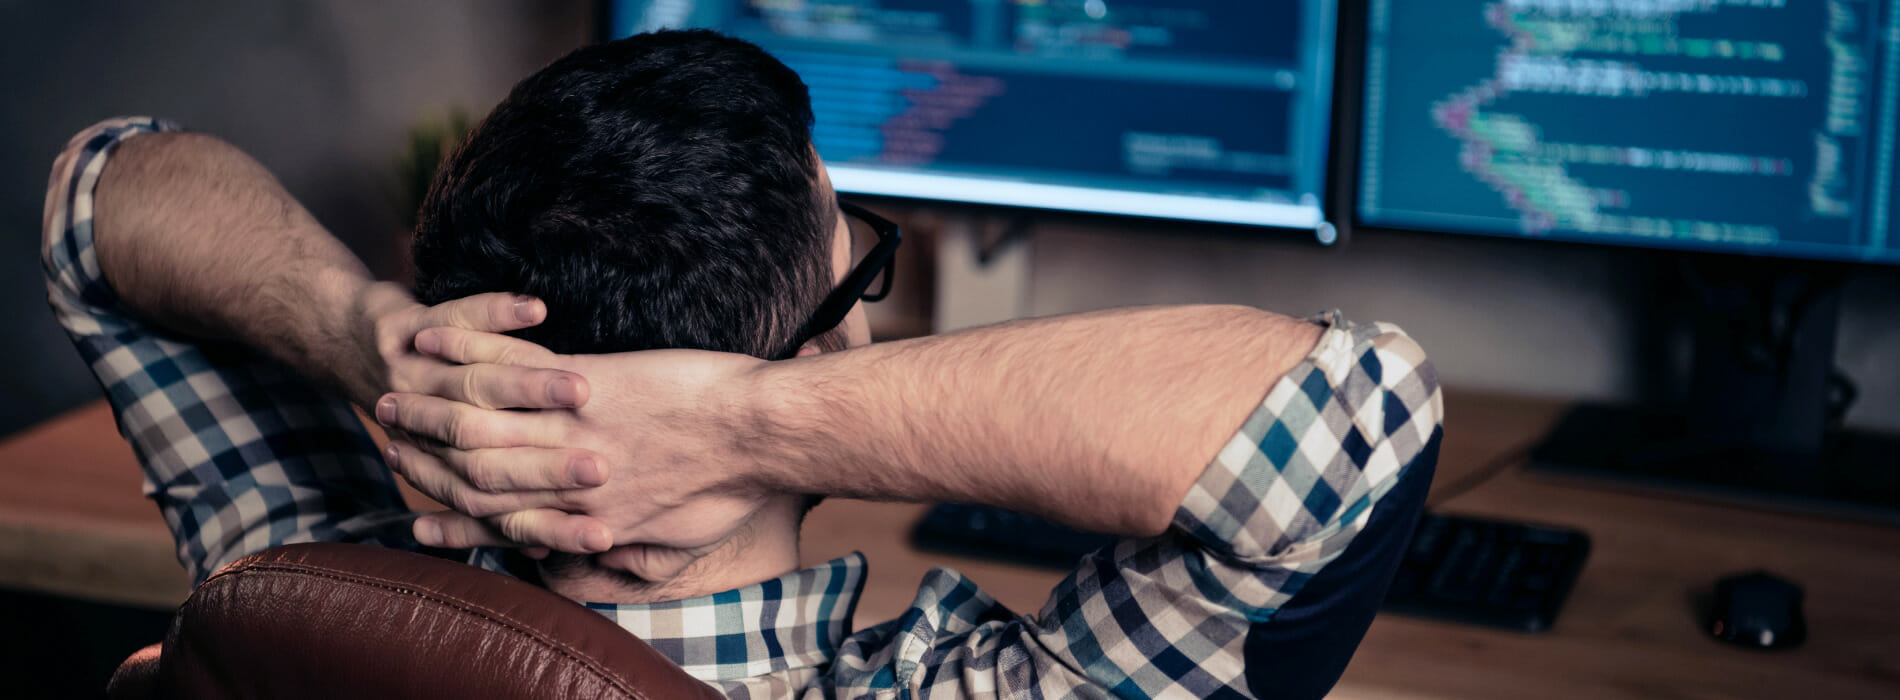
(829, 341)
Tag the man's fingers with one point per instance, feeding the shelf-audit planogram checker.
(467, 427)
(434, 479)
(452, 530)
(506, 386)
(468, 347)
(552, 529)
(494, 312)
(557, 530)
(502, 469)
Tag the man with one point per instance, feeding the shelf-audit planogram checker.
(1260, 532)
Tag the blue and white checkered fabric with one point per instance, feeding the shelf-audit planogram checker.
(241, 456)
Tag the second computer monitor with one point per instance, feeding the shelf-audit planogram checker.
(1750, 126)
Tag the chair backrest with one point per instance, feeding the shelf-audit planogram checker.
(340, 620)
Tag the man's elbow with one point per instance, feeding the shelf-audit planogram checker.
(75, 174)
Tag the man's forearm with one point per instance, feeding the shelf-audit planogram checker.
(197, 237)
(1100, 420)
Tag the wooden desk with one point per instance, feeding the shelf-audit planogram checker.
(1627, 631)
(72, 522)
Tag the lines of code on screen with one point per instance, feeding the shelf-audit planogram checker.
(1215, 99)
(1763, 126)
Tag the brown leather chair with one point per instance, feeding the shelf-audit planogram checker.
(353, 621)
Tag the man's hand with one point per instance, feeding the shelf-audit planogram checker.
(681, 477)
(380, 353)
(199, 239)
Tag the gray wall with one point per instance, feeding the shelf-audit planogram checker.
(322, 91)
(1503, 315)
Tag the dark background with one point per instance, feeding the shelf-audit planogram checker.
(320, 92)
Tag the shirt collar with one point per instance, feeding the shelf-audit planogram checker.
(793, 621)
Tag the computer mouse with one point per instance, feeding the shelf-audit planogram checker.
(1758, 610)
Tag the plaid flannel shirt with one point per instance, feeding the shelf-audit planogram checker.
(241, 456)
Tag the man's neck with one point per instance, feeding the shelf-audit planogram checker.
(766, 548)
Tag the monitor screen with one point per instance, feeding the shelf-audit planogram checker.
(1200, 110)
(1750, 126)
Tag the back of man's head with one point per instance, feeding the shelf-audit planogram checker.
(656, 191)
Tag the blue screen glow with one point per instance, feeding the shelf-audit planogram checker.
(1198, 109)
(1747, 126)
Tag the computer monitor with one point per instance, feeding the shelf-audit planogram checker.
(1762, 127)
(1198, 110)
(1758, 133)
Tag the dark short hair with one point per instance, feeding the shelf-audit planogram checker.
(658, 191)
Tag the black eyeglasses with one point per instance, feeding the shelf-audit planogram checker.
(874, 268)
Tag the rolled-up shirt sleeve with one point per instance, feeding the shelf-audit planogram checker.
(239, 454)
(1196, 612)
(1290, 492)
(1294, 485)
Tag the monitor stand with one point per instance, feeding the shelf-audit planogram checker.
(1759, 422)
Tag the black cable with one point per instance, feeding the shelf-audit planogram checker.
(1841, 389)
(1843, 392)
(1477, 477)
(1767, 339)
(1014, 231)
(1818, 286)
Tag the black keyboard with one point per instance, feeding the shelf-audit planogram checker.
(1470, 570)
(1488, 572)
